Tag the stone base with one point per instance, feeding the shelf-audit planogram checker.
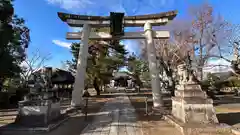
(198, 129)
(111, 90)
(16, 128)
(190, 110)
(191, 105)
(38, 115)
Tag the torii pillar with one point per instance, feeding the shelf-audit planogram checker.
(81, 68)
(129, 21)
(154, 71)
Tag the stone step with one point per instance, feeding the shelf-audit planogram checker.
(192, 100)
(190, 93)
(189, 87)
(7, 117)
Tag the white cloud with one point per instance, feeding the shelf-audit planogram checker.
(61, 43)
(103, 7)
(75, 29)
(160, 3)
(70, 4)
(131, 46)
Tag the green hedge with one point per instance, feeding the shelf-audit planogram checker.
(205, 84)
(230, 83)
(221, 84)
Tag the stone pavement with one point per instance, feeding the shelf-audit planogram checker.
(117, 117)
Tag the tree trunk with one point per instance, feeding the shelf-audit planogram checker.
(171, 86)
(1, 83)
(96, 86)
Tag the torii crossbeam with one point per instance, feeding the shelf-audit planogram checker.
(87, 22)
(107, 36)
(129, 21)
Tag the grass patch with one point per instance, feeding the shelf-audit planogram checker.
(226, 110)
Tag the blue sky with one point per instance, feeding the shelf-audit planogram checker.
(48, 31)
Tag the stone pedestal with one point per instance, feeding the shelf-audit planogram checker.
(191, 105)
(37, 113)
(39, 109)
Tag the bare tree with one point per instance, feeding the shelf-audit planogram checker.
(202, 36)
(234, 42)
(209, 31)
(35, 61)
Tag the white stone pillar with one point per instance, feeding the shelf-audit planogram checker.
(154, 71)
(81, 68)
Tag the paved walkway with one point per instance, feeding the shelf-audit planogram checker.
(117, 117)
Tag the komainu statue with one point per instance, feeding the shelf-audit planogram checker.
(182, 73)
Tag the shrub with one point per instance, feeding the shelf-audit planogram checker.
(228, 83)
(213, 79)
(205, 84)
(4, 99)
(234, 83)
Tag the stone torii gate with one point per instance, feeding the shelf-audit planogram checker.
(88, 22)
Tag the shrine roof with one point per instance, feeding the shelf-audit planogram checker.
(170, 15)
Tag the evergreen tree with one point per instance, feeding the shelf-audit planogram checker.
(14, 38)
(103, 59)
(138, 68)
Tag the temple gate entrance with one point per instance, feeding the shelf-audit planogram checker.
(117, 22)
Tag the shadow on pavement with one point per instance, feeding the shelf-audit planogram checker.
(229, 118)
(73, 126)
(227, 100)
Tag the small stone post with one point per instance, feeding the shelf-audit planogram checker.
(146, 105)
